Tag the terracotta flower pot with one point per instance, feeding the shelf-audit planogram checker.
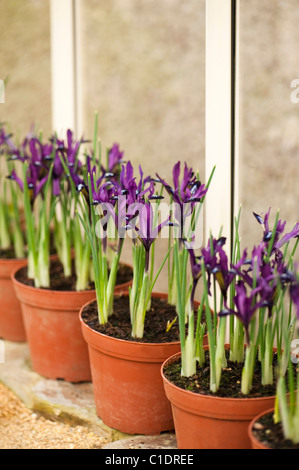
(11, 321)
(211, 422)
(51, 319)
(255, 443)
(128, 388)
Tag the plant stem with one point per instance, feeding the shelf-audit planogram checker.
(267, 359)
(220, 350)
(138, 321)
(210, 328)
(5, 241)
(188, 352)
(83, 273)
(237, 351)
(247, 373)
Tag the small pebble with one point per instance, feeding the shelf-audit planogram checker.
(258, 426)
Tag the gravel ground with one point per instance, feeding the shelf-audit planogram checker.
(21, 428)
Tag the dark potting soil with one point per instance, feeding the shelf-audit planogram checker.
(119, 325)
(7, 254)
(230, 382)
(10, 252)
(270, 434)
(59, 282)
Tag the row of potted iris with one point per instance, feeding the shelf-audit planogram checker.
(157, 362)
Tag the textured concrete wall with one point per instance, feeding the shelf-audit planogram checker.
(25, 62)
(144, 71)
(269, 121)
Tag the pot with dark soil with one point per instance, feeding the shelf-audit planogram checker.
(128, 388)
(267, 434)
(278, 428)
(209, 420)
(51, 320)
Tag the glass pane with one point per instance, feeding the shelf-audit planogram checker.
(25, 64)
(269, 115)
(143, 70)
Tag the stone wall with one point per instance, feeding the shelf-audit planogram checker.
(25, 63)
(269, 120)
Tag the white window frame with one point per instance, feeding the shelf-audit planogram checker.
(63, 66)
(221, 115)
(221, 98)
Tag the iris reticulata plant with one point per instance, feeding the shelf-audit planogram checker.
(100, 217)
(253, 290)
(49, 198)
(186, 198)
(11, 230)
(120, 203)
(286, 409)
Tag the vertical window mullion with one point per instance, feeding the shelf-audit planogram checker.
(63, 66)
(219, 116)
(236, 180)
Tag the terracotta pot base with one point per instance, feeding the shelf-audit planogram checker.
(128, 388)
(210, 422)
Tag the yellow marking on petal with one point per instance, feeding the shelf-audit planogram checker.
(220, 280)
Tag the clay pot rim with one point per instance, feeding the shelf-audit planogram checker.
(252, 423)
(13, 260)
(9, 264)
(123, 341)
(207, 397)
(40, 290)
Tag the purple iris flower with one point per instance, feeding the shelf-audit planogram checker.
(8, 146)
(250, 269)
(101, 192)
(216, 264)
(146, 232)
(58, 172)
(279, 240)
(189, 190)
(37, 158)
(69, 153)
(22, 152)
(138, 195)
(127, 183)
(264, 274)
(33, 152)
(35, 185)
(13, 176)
(72, 150)
(5, 139)
(115, 158)
(246, 305)
(195, 264)
(185, 193)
